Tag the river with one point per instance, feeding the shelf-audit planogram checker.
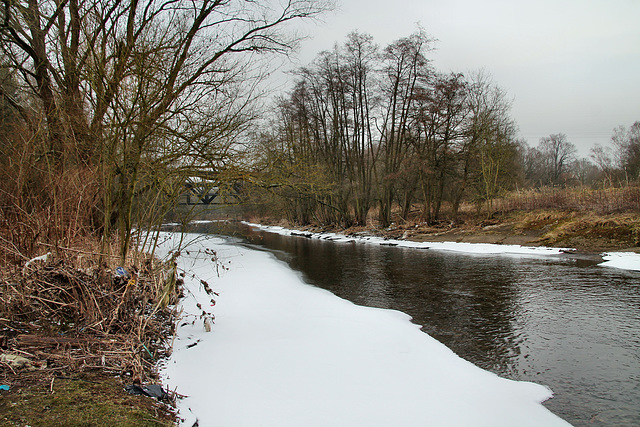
(559, 321)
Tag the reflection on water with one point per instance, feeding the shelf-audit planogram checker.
(562, 322)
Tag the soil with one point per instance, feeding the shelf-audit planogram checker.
(583, 232)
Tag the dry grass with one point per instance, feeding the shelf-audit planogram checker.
(621, 229)
(602, 201)
(102, 320)
(581, 217)
(59, 210)
(544, 219)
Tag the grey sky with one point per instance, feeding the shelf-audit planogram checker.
(571, 66)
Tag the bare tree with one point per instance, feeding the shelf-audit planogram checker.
(585, 171)
(360, 59)
(406, 68)
(627, 150)
(487, 152)
(439, 130)
(557, 154)
(331, 108)
(603, 158)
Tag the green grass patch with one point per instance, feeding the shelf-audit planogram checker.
(79, 403)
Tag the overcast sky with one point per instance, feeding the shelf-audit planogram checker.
(570, 66)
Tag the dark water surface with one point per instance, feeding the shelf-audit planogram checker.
(563, 322)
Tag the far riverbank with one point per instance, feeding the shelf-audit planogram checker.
(585, 232)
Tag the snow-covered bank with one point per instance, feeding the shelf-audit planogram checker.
(284, 353)
(622, 260)
(472, 248)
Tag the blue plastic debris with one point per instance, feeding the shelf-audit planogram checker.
(4, 387)
(120, 271)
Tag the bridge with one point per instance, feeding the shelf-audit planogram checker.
(202, 191)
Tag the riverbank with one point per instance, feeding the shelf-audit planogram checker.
(587, 233)
(47, 393)
(77, 335)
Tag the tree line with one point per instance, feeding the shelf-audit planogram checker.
(368, 130)
(108, 107)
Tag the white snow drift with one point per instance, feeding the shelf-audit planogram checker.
(471, 248)
(284, 353)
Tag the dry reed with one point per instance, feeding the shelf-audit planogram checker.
(602, 201)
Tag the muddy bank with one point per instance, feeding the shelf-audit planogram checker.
(584, 232)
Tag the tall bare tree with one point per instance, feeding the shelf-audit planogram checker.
(557, 153)
(627, 146)
(406, 70)
(441, 115)
(488, 153)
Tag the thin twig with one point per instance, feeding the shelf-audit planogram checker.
(8, 366)
(48, 300)
(78, 250)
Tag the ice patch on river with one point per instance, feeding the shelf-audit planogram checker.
(622, 260)
(472, 248)
(285, 353)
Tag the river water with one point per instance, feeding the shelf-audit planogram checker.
(559, 321)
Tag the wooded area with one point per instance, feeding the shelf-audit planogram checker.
(379, 130)
(107, 107)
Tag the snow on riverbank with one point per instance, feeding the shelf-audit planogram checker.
(284, 353)
(622, 260)
(472, 248)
